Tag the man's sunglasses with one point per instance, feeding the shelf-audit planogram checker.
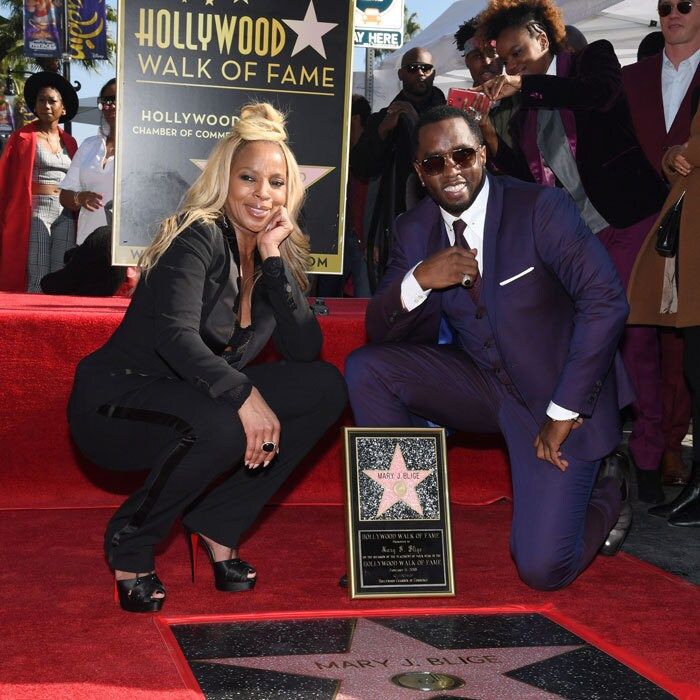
(422, 67)
(684, 7)
(461, 157)
(111, 101)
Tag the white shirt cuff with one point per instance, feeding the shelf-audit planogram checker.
(556, 412)
(412, 294)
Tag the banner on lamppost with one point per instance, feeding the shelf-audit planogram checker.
(43, 28)
(87, 29)
(44, 23)
(7, 121)
(185, 71)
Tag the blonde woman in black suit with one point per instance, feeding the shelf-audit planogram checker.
(225, 273)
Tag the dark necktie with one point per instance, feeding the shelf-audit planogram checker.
(459, 227)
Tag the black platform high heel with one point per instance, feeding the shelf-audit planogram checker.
(136, 594)
(229, 575)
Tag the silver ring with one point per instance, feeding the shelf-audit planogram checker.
(268, 447)
(466, 280)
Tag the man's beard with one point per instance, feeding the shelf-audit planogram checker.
(457, 209)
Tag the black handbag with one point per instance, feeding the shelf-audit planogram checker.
(669, 230)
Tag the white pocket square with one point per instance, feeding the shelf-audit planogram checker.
(518, 276)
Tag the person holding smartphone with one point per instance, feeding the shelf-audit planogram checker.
(574, 131)
(484, 64)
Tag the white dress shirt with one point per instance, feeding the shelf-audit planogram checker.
(90, 172)
(413, 295)
(675, 83)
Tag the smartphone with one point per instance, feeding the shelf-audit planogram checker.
(469, 101)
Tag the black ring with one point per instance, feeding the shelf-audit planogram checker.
(268, 447)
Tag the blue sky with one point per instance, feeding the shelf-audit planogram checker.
(428, 10)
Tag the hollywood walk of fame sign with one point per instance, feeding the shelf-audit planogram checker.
(520, 655)
(186, 67)
(398, 518)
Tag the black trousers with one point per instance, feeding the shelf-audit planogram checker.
(691, 368)
(188, 441)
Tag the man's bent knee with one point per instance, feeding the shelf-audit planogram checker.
(545, 574)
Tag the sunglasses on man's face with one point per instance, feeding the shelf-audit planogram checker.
(422, 67)
(107, 101)
(436, 163)
(684, 7)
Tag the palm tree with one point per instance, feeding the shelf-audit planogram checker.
(410, 29)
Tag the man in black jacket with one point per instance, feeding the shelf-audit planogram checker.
(384, 149)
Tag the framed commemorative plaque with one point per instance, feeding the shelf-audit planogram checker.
(398, 513)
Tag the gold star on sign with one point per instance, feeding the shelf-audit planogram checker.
(209, 2)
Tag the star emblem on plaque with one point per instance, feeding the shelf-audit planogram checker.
(399, 541)
(399, 486)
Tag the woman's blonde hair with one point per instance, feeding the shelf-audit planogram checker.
(205, 199)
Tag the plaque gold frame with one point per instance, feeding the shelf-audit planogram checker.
(353, 522)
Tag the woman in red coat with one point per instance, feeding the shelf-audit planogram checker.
(35, 230)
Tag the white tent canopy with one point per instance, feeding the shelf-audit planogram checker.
(622, 23)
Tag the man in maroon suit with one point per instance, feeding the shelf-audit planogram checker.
(659, 90)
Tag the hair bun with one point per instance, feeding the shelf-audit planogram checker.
(260, 117)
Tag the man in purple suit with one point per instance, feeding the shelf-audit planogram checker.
(660, 92)
(535, 310)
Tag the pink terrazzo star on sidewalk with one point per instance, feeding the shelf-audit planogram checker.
(377, 653)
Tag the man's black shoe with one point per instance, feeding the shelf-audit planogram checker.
(689, 495)
(616, 466)
(688, 517)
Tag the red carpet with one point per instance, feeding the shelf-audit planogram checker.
(63, 637)
(43, 338)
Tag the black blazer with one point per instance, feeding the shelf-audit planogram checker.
(618, 179)
(167, 329)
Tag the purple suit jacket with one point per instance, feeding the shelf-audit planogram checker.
(614, 171)
(642, 82)
(556, 328)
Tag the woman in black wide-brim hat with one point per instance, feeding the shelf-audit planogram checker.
(35, 230)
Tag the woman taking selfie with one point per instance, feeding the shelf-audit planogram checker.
(574, 131)
(173, 390)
